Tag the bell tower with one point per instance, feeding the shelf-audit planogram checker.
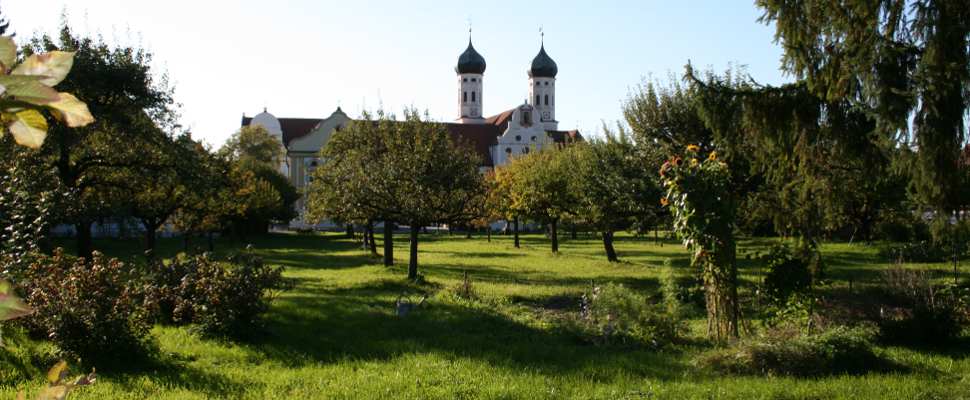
(470, 71)
(542, 87)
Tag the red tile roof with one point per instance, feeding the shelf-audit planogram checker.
(293, 128)
(479, 137)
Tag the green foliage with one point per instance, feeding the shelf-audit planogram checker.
(254, 144)
(221, 298)
(786, 274)
(91, 309)
(902, 62)
(614, 314)
(788, 352)
(700, 198)
(613, 191)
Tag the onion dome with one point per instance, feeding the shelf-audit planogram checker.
(470, 62)
(543, 66)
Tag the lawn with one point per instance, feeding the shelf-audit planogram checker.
(336, 335)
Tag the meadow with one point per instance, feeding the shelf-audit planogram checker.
(336, 333)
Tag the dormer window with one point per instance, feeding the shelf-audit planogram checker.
(526, 118)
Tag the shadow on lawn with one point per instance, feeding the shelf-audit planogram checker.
(170, 373)
(359, 324)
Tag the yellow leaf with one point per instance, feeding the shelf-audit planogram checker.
(53, 66)
(71, 111)
(29, 128)
(8, 52)
(57, 372)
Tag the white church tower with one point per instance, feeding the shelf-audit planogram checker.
(542, 88)
(471, 70)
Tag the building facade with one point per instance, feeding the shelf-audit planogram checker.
(531, 126)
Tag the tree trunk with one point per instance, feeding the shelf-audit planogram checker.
(388, 243)
(85, 243)
(350, 231)
(515, 230)
(150, 228)
(369, 238)
(186, 236)
(413, 262)
(488, 230)
(212, 246)
(572, 231)
(608, 245)
(554, 235)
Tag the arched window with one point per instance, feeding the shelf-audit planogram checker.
(464, 97)
(547, 99)
(473, 97)
(537, 99)
(464, 79)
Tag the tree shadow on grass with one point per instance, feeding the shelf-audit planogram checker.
(171, 373)
(359, 323)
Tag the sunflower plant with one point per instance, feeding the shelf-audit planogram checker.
(698, 194)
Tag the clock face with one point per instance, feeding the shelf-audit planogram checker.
(545, 115)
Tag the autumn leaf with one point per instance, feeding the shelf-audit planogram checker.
(8, 52)
(73, 112)
(29, 128)
(51, 67)
(28, 89)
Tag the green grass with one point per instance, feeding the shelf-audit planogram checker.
(335, 334)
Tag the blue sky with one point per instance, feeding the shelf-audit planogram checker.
(302, 58)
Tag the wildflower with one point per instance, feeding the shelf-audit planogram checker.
(663, 169)
(693, 162)
(693, 148)
(712, 156)
(664, 202)
(678, 161)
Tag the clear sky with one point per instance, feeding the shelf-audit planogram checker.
(303, 58)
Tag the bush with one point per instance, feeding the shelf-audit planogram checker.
(922, 313)
(790, 352)
(919, 251)
(687, 289)
(222, 298)
(786, 274)
(614, 314)
(88, 309)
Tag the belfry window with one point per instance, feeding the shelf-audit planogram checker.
(537, 99)
(526, 118)
(473, 97)
(547, 99)
(464, 97)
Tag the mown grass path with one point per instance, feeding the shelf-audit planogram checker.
(335, 335)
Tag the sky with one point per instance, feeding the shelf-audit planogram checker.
(304, 58)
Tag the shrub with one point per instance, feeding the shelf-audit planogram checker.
(222, 298)
(918, 251)
(926, 314)
(786, 274)
(791, 352)
(91, 309)
(614, 314)
(687, 289)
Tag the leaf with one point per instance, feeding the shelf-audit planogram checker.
(28, 89)
(53, 66)
(8, 52)
(57, 372)
(71, 111)
(29, 128)
(11, 306)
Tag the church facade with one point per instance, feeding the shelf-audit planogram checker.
(531, 126)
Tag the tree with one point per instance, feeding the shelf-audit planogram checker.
(542, 188)
(499, 199)
(409, 171)
(614, 189)
(700, 197)
(120, 88)
(5, 27)
(901, 62)
(254, 156)
(164, 185)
